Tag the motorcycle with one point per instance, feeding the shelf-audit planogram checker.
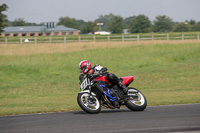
(97, 92)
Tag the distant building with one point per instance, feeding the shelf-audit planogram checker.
(38, 31)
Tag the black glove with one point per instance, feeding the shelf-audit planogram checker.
(104, 69)
(81, 77)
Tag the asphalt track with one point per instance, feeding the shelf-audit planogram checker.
(155, 119)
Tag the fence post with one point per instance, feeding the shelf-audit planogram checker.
(6, 41)
(108, 38)
(123, 38)
(79, 38)
(94, 39)
(35, 40)
(152, 37)
(138, 37)
(167, 36)
(183, 36)
(64, 39)
(21, 41)
(50, 40)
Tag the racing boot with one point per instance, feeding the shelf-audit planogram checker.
(124, 88)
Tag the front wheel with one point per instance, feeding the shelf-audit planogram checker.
(137, 101)
(88, 103)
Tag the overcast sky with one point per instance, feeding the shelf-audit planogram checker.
(88, 10)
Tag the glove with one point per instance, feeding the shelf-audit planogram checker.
(81, 77)
(104, 69)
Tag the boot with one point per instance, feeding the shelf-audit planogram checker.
(124, 88)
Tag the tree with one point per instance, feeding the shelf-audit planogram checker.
(128, 20)
(192, 22)
(182, 27)
(81, 22)
(22, 22)
(19, 22)
(163, 24)
(89, 27)
(196, 27)
(3, 17)
(116, 24)
(140, 24)
(69, 22)
(105, 19)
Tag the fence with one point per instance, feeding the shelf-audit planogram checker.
(99, 38)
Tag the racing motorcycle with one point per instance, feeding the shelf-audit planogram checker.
(98, 92)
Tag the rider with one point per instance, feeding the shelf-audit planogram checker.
(86, 68)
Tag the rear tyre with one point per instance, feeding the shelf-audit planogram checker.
(137, 101)
(88, 103)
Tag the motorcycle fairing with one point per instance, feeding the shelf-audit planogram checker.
(127, 80)
(101, 78)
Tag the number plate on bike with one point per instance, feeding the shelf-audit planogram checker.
(84, 84)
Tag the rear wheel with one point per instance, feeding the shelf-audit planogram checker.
(88, 103)
(137, 101)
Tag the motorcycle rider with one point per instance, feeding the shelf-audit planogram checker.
(86, 68)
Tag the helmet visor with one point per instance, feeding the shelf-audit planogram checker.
(83, 69)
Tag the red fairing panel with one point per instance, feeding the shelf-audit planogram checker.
(101, 78)
(127, 79)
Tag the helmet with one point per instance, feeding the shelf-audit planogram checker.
(85, 66)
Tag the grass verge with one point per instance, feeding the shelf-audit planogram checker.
(44, 78)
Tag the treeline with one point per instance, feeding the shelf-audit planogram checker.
(116, 24)
(134, 24)
(22, 22)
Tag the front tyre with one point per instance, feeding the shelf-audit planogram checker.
(137, 101)
(88, 103)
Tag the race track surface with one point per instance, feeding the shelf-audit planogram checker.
(155, 119)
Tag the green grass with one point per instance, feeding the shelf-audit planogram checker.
(165, 73)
